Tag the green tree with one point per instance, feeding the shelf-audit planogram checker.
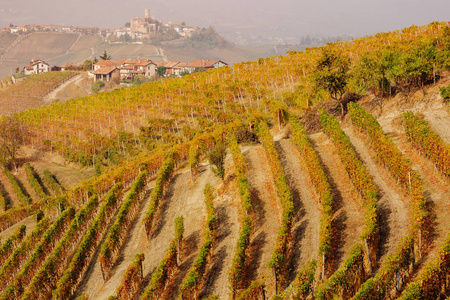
(96, 86)
(161, 71)
(88, 65)
(217, 159)
(331, 73)
(12, 136)
(139, 79)
(105, 56)
(126, 38)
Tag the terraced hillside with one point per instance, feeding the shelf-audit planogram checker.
(62, 48)
(241, 183)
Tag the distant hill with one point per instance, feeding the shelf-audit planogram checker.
(62, 48)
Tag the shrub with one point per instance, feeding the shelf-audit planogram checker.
(96, 86)
(445, 94)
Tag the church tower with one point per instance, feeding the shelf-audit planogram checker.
(147, 13)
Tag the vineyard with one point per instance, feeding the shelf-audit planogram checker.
(258, 181)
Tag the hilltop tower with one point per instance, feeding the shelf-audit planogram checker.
(147, 13)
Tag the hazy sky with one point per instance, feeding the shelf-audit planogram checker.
(233, 18)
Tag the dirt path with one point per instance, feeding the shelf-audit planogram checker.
(11, 197)
(161, 53)
(226, 205)
(267, 209)
(23, 183)
(436, 187)
(68, 174)
(30, 222)
(183, 199)
(306, 225)
(439, 120)
(393, 205)
(52, 95)
(348, 217)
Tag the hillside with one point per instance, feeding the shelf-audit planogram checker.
(286, 182)
(62, 48)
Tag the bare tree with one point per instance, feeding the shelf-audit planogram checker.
(12, 135)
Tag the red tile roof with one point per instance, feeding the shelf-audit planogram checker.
(104, 70)
(138, 62)
(105, 63)
(167, 64)
(37, 61)
(199, 63)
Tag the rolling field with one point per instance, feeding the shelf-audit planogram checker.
(227, 184)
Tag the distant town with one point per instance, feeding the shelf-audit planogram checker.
(139, 29)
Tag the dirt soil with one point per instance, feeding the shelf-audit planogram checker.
(306, 225)
(436, 188)
(226, 204)
(68, 174)
(183, 198)
(267, 216)
(348, 216)
(29, 222)
(12, 199)
(439, 120)
(393, 203)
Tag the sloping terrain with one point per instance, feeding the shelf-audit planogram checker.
(265, 205)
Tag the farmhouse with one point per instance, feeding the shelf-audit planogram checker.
(197, 65)
(133, 67)
(172, 67)
(106, 73)
(127, 68)
(36, 66)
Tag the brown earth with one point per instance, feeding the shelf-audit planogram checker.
(439, 120)
(12, 199)
(68, 174)
(267, 212)
(226, 204)
(348, 216)
(306, 225)
(393, 203)
(183, 198)
(436, 190)
(29, 222)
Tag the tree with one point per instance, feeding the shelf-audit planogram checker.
(161, 71)
(331, 73)
(12, 136)
(139, 79)
(87, 65)
(217, 159)
(126, 38)
(105, 56)
(96, 86)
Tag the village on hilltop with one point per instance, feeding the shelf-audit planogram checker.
(138, 30)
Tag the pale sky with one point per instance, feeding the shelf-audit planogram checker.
(233, 18)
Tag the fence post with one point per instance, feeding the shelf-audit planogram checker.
(368, 256)
(275, 279)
